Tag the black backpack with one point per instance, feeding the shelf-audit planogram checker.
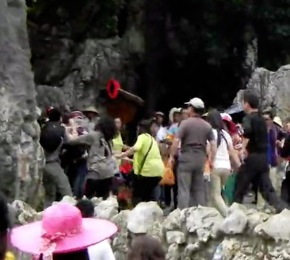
(51, 136)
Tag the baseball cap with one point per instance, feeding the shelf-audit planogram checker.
(195, 102)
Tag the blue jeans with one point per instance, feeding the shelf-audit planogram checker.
(79, 183)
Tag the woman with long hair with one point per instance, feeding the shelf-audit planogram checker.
(100, 162)
(147, 163)
(222, 164)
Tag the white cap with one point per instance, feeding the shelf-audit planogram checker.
(195, 102)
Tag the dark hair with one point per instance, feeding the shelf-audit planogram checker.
(145, 125)
(251, 98)
(145, 247)
(215, 119)
(287, 120)
(268, 113)
(86, 207)
(65, 118)
(79, 255)
(4, 225)
(198, 111)
(107, 126)
(54, 115)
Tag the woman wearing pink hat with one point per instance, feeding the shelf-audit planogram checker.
(62, 234)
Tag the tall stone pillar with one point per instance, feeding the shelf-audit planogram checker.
(20, 153)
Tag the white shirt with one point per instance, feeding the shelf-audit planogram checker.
(222, 159)
(101, 251)
(161, 134)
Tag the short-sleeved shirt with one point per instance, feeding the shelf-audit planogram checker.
(222, 159)
(255, 130)
(153, 166)
(161, 134)
(118, 145)
(173, 129)
(194, 132)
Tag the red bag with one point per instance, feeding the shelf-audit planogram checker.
(126, 167)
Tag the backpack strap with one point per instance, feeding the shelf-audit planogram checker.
(223, 137)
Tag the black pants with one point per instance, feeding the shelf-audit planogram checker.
(98, 188)
(174, 189)
(285, 189)
(255, 170)
(143, 188)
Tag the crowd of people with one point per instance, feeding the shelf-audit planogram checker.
(86, 155)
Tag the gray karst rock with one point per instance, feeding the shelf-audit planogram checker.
(191, 234)
(21, 157)
(273, 89)
(96, 62)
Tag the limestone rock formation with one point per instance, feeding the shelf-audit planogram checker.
(194, 233)
(272, 88)
(21, 156)
(97, 61)
(70, 70)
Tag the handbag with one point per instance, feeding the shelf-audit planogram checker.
(103, 164)
(168, 176)
(144, 158)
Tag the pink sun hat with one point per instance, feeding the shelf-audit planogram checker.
(61, 230)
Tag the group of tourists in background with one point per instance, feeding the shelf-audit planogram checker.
(86, 155)
(199, 158)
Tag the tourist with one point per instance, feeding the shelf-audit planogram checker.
(92, 116)
(102, 250)
(100, 162)
(171, 191)
(285, 154)
(161, 134)
(62, 234)
(147, 163)
(52, 137)
(74, 157)
(118, 144)
(222, 164)
(255, 147)
(145, 247)
(193, 135)
(184, 113)
(272, 150)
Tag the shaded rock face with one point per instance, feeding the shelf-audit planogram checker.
(193, 233)
(272, 88)
(21, 155)
(70, 71)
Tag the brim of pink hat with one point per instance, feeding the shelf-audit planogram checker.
(27, 238)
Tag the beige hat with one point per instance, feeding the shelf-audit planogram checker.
(195, 102)
(172, 112)
(159, 113)
(91, 109)
(277, 120)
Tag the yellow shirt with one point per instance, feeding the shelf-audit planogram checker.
(153, 166)
(9, 256)
(118, 145)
